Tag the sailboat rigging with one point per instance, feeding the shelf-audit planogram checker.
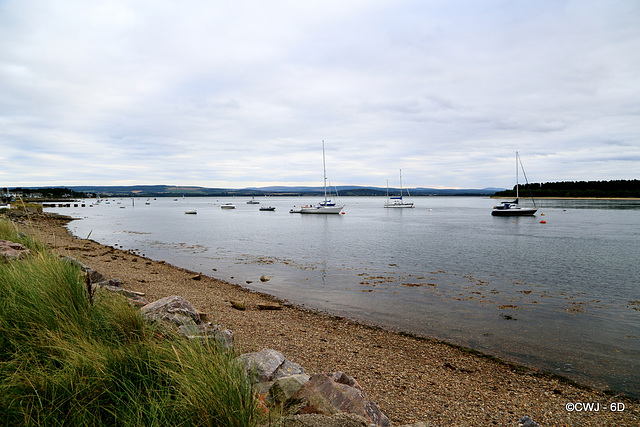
(513, 208)
(326, 206)
(397, 201)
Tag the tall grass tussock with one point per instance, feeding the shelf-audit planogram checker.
(69, 360)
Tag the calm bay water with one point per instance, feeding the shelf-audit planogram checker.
(562, 296)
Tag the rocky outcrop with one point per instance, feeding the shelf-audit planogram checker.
(285, 384)
(12, 250)
(335, 393)
(267, 365)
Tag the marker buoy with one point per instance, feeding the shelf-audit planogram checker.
(342, 213)
(543, 222)
(542, 214)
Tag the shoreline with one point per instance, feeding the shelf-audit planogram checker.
(411, 378)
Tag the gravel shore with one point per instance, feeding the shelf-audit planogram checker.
(412, 379)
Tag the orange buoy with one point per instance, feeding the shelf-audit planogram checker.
(543, 222)
(342, 213)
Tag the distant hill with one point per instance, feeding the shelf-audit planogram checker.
(195, 191)
(601, 189)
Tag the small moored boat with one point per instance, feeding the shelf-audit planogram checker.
(267, 208)
(513, 208)
(228, 206)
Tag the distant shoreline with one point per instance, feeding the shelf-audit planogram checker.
(574, 198)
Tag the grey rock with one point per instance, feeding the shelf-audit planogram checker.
(263, 364)
(288, 368)
(173, 309)
(526, 421)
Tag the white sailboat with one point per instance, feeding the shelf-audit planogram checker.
(397, 201)
(513, 208)
(326, 206)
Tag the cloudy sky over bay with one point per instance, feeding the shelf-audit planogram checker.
(242, 93)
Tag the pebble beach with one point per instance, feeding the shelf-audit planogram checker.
(412, 379)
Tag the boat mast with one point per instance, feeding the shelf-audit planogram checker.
(517, 185)
(400, 184)
(324, 169)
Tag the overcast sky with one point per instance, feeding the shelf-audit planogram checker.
(242, 93)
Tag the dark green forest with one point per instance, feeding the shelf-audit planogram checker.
(616, 188)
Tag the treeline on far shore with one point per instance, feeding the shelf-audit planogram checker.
(599, 189)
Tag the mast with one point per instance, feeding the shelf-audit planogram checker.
(400, 184)
(517, 184)
(324, 169)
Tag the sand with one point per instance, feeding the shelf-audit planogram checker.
(412, 379)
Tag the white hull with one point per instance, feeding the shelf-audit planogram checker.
(399, 205)
(321, 210)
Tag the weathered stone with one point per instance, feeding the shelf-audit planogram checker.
(174, 309)
(263, 364)
(318, 420)
(336, 393)
(264, 278)
(238, 305)
(285, 387)
(288, 368)
(12, 250)
(224, 337)
(526, 421)
(269, 306)
(111, 283)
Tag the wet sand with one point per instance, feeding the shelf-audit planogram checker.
(411, 378)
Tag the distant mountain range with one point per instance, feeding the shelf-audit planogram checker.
(193, 191)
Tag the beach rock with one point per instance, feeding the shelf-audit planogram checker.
(263, 364)
(526, 421)
(238, 305)
(317, 420)
(285, 387)
(269, 306)
(335, 393)
(224, 337)
(264, 278)
(288, 368)
(173, 309)
(12, 250)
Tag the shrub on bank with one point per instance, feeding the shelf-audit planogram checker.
(65, 360)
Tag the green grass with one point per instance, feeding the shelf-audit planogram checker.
(67, 361)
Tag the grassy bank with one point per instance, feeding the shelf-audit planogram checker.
(66, 360)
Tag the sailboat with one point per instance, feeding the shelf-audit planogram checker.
(513, 208)
(396, 201)
(326, 206)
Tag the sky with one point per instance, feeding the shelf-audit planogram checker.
(237, 94)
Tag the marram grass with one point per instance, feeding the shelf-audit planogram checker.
(67, 361)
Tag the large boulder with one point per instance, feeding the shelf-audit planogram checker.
(268, 365)
(12, 250)
(173, 309)
(284, 388)
(335, 393)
